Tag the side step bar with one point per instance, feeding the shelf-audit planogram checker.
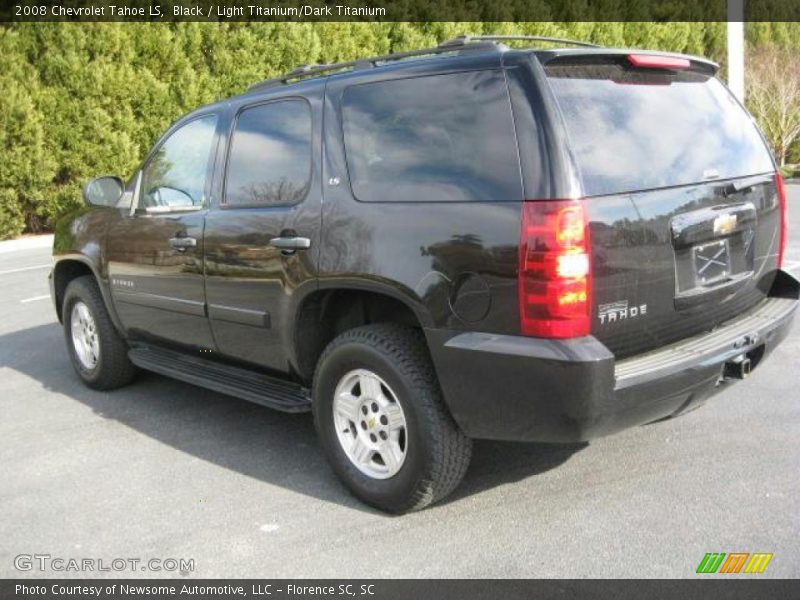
(234, 381)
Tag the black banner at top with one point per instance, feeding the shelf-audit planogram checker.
(401, 10)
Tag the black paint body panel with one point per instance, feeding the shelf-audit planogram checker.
(524, 389)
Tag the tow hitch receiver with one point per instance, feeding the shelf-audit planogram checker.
(738, 368)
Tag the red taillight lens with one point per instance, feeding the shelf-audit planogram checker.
(555, 272)
(781, 189)
(650, 61)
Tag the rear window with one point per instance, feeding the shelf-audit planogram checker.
(435, 138)
(635, 129)
(270, 155)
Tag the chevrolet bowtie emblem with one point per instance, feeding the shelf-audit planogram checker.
(724, 224)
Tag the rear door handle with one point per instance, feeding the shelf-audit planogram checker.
(290, 244)
(182, 243)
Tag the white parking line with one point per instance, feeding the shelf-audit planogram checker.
(21, 269)
(35, 298)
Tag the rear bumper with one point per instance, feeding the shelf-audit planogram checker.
(528, 389)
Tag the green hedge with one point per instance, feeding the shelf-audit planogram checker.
(82, 99)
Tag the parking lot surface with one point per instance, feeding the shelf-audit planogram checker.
(162, 469)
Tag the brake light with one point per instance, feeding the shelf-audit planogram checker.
(650, 61)
(781, 189)
(555, 274)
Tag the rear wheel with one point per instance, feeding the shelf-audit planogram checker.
(383, 425)
(99, 354)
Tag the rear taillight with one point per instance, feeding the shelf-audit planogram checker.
(781, 189)
(555, 274)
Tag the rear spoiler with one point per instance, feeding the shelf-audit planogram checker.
(591, 55)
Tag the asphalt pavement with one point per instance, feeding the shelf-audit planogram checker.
(164, 470)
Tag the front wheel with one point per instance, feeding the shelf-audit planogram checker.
(382, 422)
(98, 353)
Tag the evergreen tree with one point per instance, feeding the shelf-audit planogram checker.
(84, 99)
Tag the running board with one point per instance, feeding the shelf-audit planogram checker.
(234, 381)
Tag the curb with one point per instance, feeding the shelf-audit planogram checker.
(27, 243)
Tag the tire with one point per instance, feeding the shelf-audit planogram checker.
(434, 452)
(111, 367)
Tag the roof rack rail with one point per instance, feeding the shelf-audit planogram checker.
(309, 71)
(463, 40)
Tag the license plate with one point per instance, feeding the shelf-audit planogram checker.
(712, 262)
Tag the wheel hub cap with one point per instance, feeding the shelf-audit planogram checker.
(370, 424)
(84, 336)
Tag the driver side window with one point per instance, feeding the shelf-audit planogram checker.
(175, 176)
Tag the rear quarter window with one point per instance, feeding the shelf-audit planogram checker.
(635, 129)
(434, 138)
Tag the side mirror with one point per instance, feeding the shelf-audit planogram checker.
(103, 191)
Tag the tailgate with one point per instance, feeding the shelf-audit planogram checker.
(681, 198)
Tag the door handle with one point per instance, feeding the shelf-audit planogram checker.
(290, 244)
(181, 243)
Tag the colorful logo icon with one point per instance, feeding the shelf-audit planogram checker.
(736, 562)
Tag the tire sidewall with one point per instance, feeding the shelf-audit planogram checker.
(392, 493)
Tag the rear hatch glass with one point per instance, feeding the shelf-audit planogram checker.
(635, 129)
(682, 204)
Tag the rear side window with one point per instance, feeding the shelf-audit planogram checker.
(636, 129)
(434, 138)
(270, 155)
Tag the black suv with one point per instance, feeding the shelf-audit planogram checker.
(469, 241)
